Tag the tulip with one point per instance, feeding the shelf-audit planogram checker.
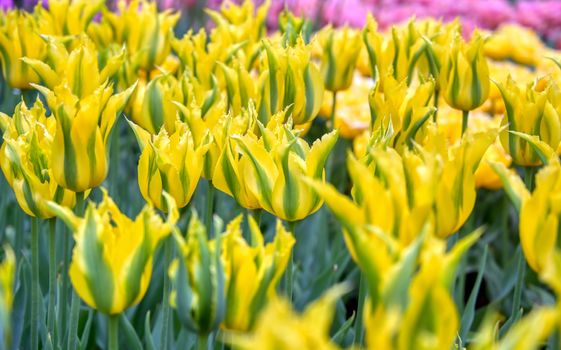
(19, 38)
(112, 259)
(7, 279)
(252, 271)
(197, 277)
(290, 80)
(240, 87)
(170, 163)
(79, 68)
(532, 111)
(68, 17)
(25, 159)
(270, 167)
(464, 75)
(280, 327)
(340, 51)
(149, 47)
(83, 126)
(515, 42)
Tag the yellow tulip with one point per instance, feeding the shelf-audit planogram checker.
(464, 74)
(145, 31)
(170, 163)
(280, 327)
(539, 217)
(289, 80)
(340, 51)
(252, 271)
(25, 159)
(271, 166)
(78, 69)
(532, 111)
(19, 38)
(68, 17)
(112, 259)
(198, 281)
(7, 278)
(515, 42)
(239, 84)
(239, 29)
(79, 148)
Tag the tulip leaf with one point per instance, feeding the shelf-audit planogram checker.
(342, 331)
(148, 339)
(469, 310)
(133, 342)
(86, 333)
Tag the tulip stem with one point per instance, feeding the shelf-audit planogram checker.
(35, 287)
(52, 279)
(465, 115)
(202, 342)
(333, 109)
(166, 308)
(289, 285)
(436, 100)
(209, 208)
(75, 302)
(113, 332)
(359, 327)
(529, 174)
(64, 292)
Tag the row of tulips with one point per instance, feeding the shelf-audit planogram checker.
(403, 134)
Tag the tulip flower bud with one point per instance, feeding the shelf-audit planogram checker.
(79, 69)
(79, 148)
(26, 160)
(170, 163)
(270, 168)
(7, 278)
(340, 51)
(68, 17)
(539, 218)
(531, 111)
(289, 80)
(18, 39)
(197, 277)
(464, 75)
(252, 271)
(112, 259)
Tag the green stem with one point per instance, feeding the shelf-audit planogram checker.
(64, 292)
(359, 326)
(75, 303)
(436, 100)
(333, 109)
(113, 332)
(465, 115)
(209, 208)
(202, 342)
(52, 279)
(164, 340)
(529, 175)
(35, 287)
(289, 275)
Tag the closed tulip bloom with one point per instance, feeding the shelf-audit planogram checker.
(340, 52)
(464, 74)
(149, 47)
(112, 259)
(198, 281)
(19, 38)
(271, 167)
(79, 68)
(253, 271)
(539, 218)
(289, 80)
(531, 110)
(79, 148)
(26, 157)
(170, 163)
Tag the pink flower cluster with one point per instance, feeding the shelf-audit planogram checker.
(541, 15)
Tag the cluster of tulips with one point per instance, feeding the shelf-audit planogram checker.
(436, 156)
